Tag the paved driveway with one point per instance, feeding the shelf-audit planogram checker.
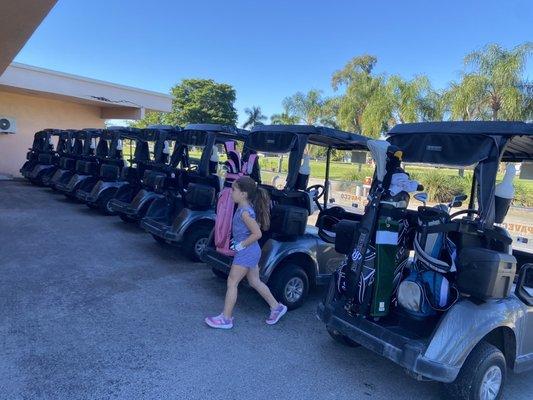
(93, 308)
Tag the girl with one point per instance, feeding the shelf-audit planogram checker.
(246, 232)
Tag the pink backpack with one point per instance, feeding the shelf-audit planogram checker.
(225, 209)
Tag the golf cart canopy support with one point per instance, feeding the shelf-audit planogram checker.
(463, 143)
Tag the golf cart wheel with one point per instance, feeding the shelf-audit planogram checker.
(219, 274)
(482, 376)
(127, 218)
(290, 285)
(103, 203)
(195, 240)
(339, 337)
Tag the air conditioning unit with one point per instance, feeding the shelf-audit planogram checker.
(8, 125)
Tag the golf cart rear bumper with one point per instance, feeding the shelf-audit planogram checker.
(40, 169)
(71, 186)
(86, 197)
(401, 350)
(123, 208)
(216, 260)
(159, 229)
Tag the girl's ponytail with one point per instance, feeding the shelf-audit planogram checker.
(261, 203)
(259, 198)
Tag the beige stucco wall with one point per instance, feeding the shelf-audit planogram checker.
(33, 113)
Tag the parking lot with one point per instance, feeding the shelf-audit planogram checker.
(93, 308)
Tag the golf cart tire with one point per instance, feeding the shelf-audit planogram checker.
(103, 203)
(468, 383)
(127, 219)
(92, 205)
(191, 237)
(281, 278)
(219, 274)
(338, 337)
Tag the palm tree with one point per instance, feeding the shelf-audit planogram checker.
(305, 106)
(255, 117)
(491, 85)
(284, 118)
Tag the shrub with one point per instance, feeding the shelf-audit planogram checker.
(441, 186)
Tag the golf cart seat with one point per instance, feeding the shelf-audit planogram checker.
(329, 218)
(111, 170)
(289, 213)
(45, 158)
(201, 191)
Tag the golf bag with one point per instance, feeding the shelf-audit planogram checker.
(226, 206)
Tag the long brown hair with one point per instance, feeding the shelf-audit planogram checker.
(259, 198)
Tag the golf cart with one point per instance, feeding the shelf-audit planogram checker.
(48, 160)
(295, 256)
(186, 214)
(97, 193)
(131, 201)
(67, 163)
(41, 144)
(438, 297)
(87, 165)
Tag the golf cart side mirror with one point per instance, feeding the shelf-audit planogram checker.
(422, 197)
(524, 287)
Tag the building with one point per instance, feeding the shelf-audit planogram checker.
(34, 98)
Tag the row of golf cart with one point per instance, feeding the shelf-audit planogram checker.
(441, 293)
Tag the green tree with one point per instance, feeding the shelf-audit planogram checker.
(197, 101)
(284, 119)
(255, 117)
(362, 90)
(151, 118)
(492, 85)
(372, 104)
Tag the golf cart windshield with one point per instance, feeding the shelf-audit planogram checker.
(293, 140)
(482, 144)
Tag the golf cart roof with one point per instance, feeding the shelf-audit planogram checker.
(197, 134)
(463, 142)
(89, 133)
(124, 132)
(281, 138)
(479, 143)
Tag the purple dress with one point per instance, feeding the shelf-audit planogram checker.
(248, 257)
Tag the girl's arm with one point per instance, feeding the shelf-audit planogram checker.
(253, 226)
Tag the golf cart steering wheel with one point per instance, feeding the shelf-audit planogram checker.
(320, 191)
(461, 212)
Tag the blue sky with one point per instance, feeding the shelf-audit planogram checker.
(269, 50)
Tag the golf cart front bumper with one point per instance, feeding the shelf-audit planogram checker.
(216, 260)
(404, 351)
(159, 229)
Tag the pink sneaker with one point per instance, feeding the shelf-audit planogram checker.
(219, 322)
(276, 314)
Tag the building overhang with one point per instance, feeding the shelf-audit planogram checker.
(18, 21)
(115, 101)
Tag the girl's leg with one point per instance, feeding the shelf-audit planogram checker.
(235, 277)
(262, 289)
